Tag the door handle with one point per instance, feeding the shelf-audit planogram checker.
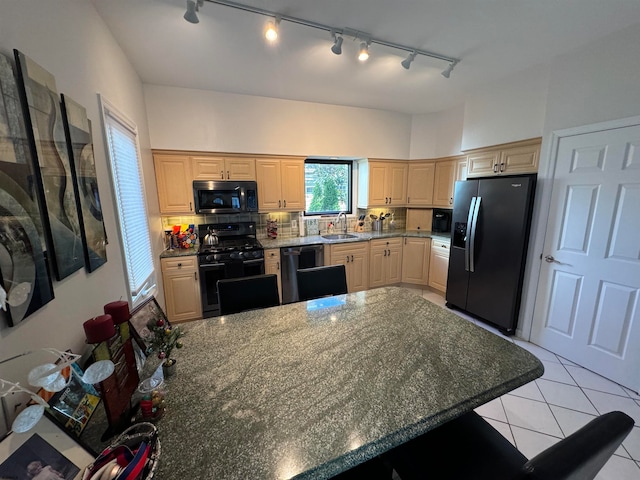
(285, 204)
(190, 207)
(408, 199)
(279, 203)
(467, 238)
(195, 276)
(221, 174)
(385, 253)
(352, 258)
(347, 258)
(550, 259)
(277, 265)
(495, 168)
(502, 166)
(228, 176)
(472, 243)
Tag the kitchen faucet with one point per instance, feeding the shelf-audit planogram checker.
(344, 215)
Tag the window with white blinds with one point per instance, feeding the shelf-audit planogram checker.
(128, 189)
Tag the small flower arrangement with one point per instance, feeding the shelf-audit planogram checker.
(164, 338)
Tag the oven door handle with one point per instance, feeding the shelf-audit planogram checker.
(257, 260)
(209, 265)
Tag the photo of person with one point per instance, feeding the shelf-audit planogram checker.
(38, 460)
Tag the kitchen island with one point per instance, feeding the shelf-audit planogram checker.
(311, 389)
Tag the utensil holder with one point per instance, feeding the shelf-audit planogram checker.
(376, 225)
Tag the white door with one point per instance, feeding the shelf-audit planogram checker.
(588, 303)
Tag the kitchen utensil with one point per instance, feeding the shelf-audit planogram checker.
(387, 215)
(373, 217)
(210, 238)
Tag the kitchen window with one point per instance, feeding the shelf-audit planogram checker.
(128, 189)
(327, 185)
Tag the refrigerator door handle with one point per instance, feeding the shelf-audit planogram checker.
(472, 243)
(467, 236)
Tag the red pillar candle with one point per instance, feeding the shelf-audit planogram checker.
(99, 329)
(118, 310)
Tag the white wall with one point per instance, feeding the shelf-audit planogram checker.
(69, 39)
(438, 134)
(185, 119)
(506, 111)
(593, 84)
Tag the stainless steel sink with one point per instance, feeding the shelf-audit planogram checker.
(338, 236)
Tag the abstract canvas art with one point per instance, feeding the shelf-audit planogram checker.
(78, 130)
(43, 115)
(25, 283)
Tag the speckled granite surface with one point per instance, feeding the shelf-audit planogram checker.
(308, 390)
(318, 239)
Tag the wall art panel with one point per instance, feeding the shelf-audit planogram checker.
(24, 270)
(43, 115)
(83, 169)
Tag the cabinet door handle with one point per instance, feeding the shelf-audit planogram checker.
(195, 276)
(279, 203)
(495, 168)
(352, 258)
(277, 265)
(502, 166)
(228, 176)
(408, 199)
(221, 174)
(285, 204)
(180, 265)
(450, 200)
(385, 253)
(347, 258)
(389, 253)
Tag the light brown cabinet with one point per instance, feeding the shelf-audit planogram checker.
(181, 288)
(507, 159)
(420, 181)
(272, 266)
(355, 257)
(174, 182)
(382, 183)
(385, 267)
(280, 184)
(415, 260)
(223, 168)
(419, 219)
(439, 264)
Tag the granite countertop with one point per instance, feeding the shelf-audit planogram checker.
(310, 389)
(281, 242)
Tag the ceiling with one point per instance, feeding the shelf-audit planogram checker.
(227, 52)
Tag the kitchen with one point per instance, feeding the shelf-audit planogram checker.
(528, 104)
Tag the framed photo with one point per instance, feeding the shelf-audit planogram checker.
(24, 268)
(141, 316)
(44, 449)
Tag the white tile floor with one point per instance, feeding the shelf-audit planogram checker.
(537, 415)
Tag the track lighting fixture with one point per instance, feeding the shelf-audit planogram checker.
(337, 43)
(363, 53)
(271, 32)
(449, 69)
(337, 34)
(406, 63)
(191, 16)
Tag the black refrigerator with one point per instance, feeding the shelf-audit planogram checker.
(489, 238)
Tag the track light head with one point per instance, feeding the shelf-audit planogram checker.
(271, 32)
(406, 63)
(337, 44)
(447, 73)
(363, 53)
(191, 16)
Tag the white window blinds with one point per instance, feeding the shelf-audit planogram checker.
(122, 143)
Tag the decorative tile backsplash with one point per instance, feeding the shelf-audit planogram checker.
(284, 219)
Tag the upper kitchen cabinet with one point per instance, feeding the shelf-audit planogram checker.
(447, 172)
(507, 159)
(382, 183)
(420, 184)
(280, 184)
(223, 168)
(175, 186)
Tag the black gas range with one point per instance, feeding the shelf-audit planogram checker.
(227, 250)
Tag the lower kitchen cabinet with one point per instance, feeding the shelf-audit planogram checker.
(415, 260)
(181, 288)
(439, 265)
(355, 257)
(385, 266)
(272, 265)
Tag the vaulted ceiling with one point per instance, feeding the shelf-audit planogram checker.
(226, 50)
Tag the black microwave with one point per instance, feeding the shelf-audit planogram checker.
(441, 221)
(218, 196)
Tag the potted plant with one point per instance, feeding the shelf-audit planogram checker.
(164, 338)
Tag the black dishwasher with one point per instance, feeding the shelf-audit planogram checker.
(294, 258)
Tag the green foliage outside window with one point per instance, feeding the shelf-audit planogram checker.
(329, 184)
